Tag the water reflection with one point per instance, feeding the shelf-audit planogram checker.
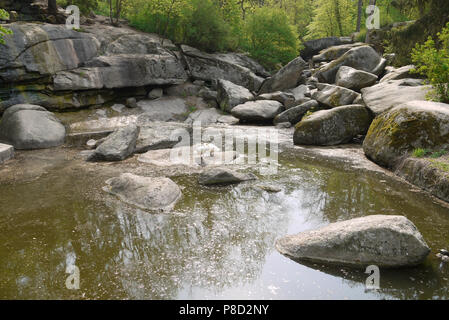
(217, 244)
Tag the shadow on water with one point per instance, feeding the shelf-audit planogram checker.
(218, 242)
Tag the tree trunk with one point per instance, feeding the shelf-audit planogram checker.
(359, 15)
(52, 7)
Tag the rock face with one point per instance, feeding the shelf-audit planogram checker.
(222, 176)
(332, 96)
(288, 77)
(79, 69)
(295, 114)
(354, 79)
(28, 126)
(164, 109)
(257, 111)
(362, 58)
(332, 127)
(158, 194)
(384, 96)
(6, 152)
(416, 124)
(117, 146)
(209, 67)
(230, 95)
(385, 241)
(313, 47)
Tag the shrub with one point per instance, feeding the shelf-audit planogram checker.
(4, 31)
(432, 60)
(270, 38)
(204, 26)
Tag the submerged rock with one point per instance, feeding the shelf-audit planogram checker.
(27, 126)
(385, 241)
(223, 176)
(230, 95)
(416, 124)
(257, 111)
(117, 146)
(159, 194)
(331, 127)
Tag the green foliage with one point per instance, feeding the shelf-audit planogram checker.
(4, 31)
(333, 18)
(438, 154)
(269, 37)
(85, 5)
(432, 60)
(419, 152)
(205, 27)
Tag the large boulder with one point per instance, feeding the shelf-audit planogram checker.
(222, 176)
(415, 124)
(286, 98)
(244, 61)
(313, 47)
(288, 77)
(381, 240)
(230, 95)
(400, 73)
(148, 193)
(301, 94)
(332, 127)
(362, 58)
(257, 111)
(332, 96)
(295, 114)
(354, 79)
(209, 67)
(334, 52)
(117, 146)
(28, 126)
(386, 95)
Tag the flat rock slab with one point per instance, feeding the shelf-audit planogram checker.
(385, 241)
(156, 194)
(6, 152)
(258, 111)
(197, 156)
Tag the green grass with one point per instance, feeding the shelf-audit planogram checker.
(444, 166)
(419, 152)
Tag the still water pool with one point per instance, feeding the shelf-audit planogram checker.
(218, 243)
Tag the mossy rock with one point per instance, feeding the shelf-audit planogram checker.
(416, 124)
